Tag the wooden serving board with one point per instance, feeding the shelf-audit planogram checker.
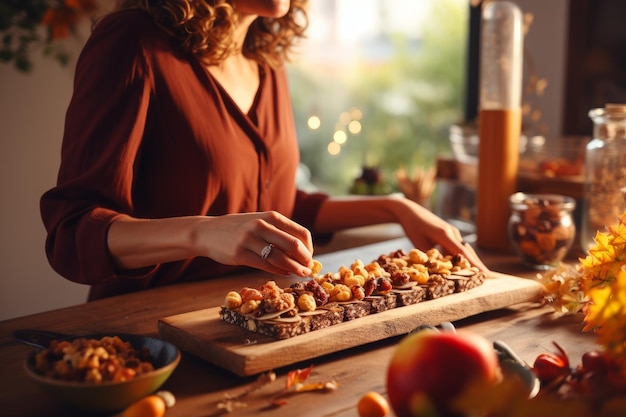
(204, 334)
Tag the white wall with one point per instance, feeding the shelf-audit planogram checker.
(32, 113)
(32, 110)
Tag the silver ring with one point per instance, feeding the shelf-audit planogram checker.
(265, 252)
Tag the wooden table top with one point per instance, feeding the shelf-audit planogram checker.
(198, 386)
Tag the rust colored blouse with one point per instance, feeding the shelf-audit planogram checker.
(151, 134)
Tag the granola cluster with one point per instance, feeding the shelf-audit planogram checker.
(392, 280)
(108, 359)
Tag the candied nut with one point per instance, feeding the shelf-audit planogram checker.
(378, 273)
(306, 302)
(319, 293)
(421, 277)
(370, 286)
(530, 248)
(270, 290)
(316, 268)
(93, 375)
(399, 262)
(400, 277)
(249, 294)
(373, 266)
(327, 277)
(444, 265)
(531, 216)
(341, 292)
(233, 300)
(358, 292)
(416, 256)
(356, 264)
(249, 306)
(343, 271)
(354, 280)
(361, 270)
(284, 302)
(546, 241)
(397, 254)
(383, 285)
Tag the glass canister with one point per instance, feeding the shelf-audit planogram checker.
(499, 119)
(605, 172)
(541, 228)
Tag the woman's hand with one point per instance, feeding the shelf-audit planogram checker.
(425, 230)
(233, 239)
(240, 239)
(422, 227)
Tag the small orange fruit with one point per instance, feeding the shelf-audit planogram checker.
(372, 404)
(151, 406)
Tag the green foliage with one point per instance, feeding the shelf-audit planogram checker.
(19, 20)
(408, 102)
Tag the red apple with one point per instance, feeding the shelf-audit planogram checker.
(430, 369)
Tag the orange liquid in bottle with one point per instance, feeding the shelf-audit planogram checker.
(498, 163)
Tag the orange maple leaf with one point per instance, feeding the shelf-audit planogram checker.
(297, 376)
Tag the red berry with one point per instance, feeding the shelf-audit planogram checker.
(549, 366)
(595, 361)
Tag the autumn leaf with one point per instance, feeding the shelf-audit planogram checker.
(604, 281)
(297, 376)
(598, 287)
(618, 234)
(296, 383)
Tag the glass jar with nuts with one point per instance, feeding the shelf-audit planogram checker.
(541, 228)
(605, 172)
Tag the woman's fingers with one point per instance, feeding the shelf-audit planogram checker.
(473, 257)
(273, 259)
(438, 232)
(456, 244)
(292, 238)
(279, 245)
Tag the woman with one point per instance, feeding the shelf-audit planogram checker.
(179, 153)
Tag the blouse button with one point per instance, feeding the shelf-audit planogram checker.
(267, 184)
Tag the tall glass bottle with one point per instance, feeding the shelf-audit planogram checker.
(605, 172)
(499, 120)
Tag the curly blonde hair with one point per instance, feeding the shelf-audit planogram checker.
(205, 28)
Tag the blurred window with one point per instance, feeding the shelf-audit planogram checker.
(377, 84)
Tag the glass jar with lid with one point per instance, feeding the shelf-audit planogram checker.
(605, 172)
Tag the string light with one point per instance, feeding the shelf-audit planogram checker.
(354, 127)
(334, 148)
(314, 122)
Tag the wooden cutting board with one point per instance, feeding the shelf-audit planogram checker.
(204, 334)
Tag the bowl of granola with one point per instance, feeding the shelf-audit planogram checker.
(98, 373)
